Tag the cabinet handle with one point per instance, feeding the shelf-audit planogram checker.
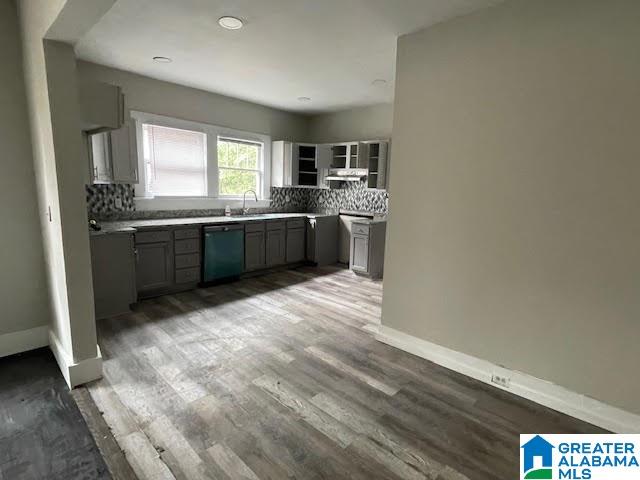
(95, 173)
(135, 253)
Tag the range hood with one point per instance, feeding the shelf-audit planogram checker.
(347, 174)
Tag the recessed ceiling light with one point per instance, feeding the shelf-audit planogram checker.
(162, 59)
(378, 82)
(304, 99)
(230, 23)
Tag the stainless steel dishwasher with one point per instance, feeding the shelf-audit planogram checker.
(223, 252)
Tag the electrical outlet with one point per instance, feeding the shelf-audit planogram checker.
(501, 380)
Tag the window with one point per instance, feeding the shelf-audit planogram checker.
(192, 165)
(239, 167)
(175, 161)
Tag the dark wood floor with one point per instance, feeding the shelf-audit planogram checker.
(280, 377)
(42, 433)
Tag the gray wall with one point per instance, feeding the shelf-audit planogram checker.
(162, 98)
(364, 123)
(23, 290)
(514, 232)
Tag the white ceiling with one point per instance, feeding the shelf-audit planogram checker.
(329, 50)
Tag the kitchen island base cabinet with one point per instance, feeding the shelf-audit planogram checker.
(114, 274)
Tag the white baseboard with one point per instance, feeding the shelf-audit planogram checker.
(521, 384)
(75, 373)
(24, 340)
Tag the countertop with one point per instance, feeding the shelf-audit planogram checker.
(131, 226)
(364, 218)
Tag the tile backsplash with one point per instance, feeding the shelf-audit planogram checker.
(351, 196)
(101, 201)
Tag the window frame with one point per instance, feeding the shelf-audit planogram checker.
(261, 167)
(146, 201)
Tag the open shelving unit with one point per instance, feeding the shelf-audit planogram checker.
(307, 165)
(377, 164)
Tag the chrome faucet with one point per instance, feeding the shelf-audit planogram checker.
(245, 210)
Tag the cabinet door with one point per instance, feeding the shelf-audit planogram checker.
(360, 253)
(276, 248)
(100, 156)
(154, 266)
(101, 105)
(324, 155)
(363, 155)
(295, 245)
(254, 251)
(124, 159)
(113, 268)
(281, 163)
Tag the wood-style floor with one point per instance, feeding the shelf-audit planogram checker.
(280, 377)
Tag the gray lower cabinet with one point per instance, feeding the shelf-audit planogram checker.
(295, 244)
(186, 248)
(276, 244)
(322, 239)
(254, 246)
(153, 267)
(114, 274)
(367, 248)
(167, 260)
(360, 253)
(154, 262)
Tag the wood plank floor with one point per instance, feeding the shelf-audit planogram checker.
(279, 377)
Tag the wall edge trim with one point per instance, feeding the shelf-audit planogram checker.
(75, 373)
(24, 340)
(527, 386)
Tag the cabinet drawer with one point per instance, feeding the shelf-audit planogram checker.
(153, 237)
(186, 233)
(188, 275)
(190, 245)
(295, 223)
(254, 227)
(188, 260)
(360, 229)
(277, 225)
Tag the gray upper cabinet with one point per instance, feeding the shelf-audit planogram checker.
(124, 158)
(113, 156)
(254, 246)
(101, 106)
(154, 262)
(281, 164)
(377, 158)
(276, 243)
(99, 146)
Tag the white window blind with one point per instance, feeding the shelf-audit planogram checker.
(175, 161)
